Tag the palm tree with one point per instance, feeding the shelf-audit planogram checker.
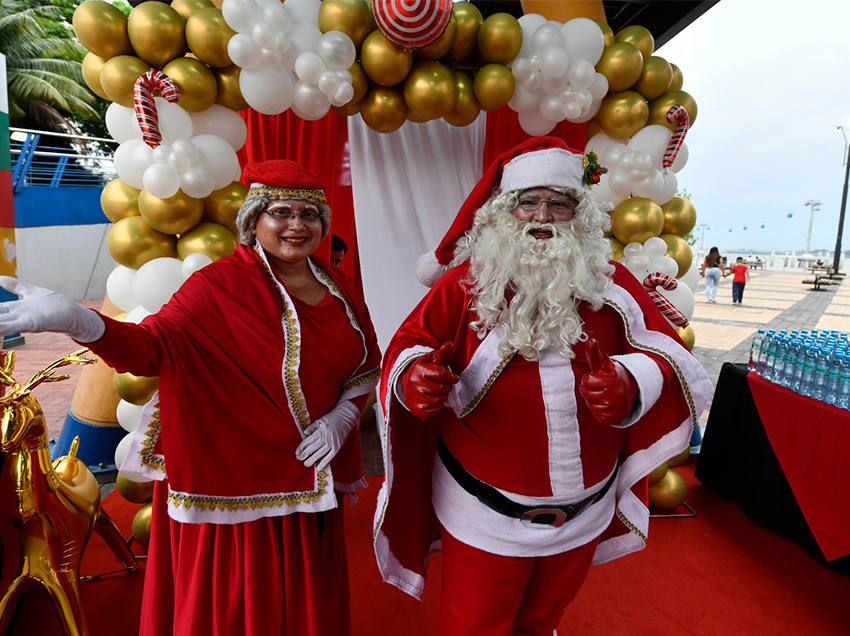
(43, 71)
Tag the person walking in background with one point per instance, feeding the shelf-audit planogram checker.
(712, 268)
(741, 276)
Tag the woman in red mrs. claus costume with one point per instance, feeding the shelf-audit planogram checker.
(265, 359)
(526, 398)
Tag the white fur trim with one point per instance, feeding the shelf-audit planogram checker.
(551, 167)
(429, 269)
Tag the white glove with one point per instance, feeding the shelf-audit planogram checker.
(324, 437)
(40, 309)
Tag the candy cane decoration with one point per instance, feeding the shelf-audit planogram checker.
(145, 106)
(664, 306)
(679, 116)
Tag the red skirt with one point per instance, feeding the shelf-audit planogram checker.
(276, 575)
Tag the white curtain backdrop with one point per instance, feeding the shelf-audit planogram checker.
(407, 187)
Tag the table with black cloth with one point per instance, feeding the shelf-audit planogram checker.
(784, 458)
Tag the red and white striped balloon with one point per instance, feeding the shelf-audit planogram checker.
(412, 24)
(679, 116)
(667, 308)
(145, 106)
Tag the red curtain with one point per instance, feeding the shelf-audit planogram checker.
(320, 146)
(504, 132)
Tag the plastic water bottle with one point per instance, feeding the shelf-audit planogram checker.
(789, 354)
(761, 366)
(830, 388)
(779, 360)
(843, 399)
(819, 382)
(770, 357)
(800, 369)
(797, 365)
(755, 349)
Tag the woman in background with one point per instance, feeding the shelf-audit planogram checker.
(712, 269)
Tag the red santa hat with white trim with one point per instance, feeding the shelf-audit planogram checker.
(536, 162)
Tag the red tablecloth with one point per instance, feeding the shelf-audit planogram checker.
(811, 440)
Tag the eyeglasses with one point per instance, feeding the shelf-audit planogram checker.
(557, 205)
(288, 214)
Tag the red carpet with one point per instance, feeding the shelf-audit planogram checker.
(716, 573)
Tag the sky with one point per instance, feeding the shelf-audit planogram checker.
(771, 79)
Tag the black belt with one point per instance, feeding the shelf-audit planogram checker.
(545, 515)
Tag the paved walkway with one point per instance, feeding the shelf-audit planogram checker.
(772, 299)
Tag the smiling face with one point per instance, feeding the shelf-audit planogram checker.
(289, 230)
(544, 205)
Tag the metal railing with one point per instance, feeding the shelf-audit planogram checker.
(48, 159)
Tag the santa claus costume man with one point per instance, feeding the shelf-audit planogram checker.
(526, 399)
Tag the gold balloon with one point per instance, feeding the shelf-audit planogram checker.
(359, 82)
(494, 86)
(429, 90)
(679, 459)
(680, 216)
(187, 7)
(134, 491)
(656, 77)
(607, 32)
(623, 114)
(688, 336)
(174, 215)
(621, 63)
(119, 200)
(211, 239)
(658, 474)
(157, 33)
(617, 249)
(636, 219)
(416, 120)
(197, 84)
(639, 36)
(439, 47)
(679, 250)
(142, 525)
(469, 21)
(669, 493)
(92, 66)
(499, 39)
(132, 243)
(135, 389)
(592, 128)
(102, 29)
(658, 107)
(384, 62)
(352, 17)
(383, 108)
(347, 110)
(466, 108)
(229, 94)
(118, 76)
(678, 78)
(207, 35)
(222, 206)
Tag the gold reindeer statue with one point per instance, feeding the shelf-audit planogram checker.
(48, 509)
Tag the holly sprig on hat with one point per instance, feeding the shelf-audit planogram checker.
(592, 170)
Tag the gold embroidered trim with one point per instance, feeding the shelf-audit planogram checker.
(365, 378)
(287, 193)
(663, 354)
(338, 293)
(151, 435)
(632, 527)
(235, 504)
(478, 396)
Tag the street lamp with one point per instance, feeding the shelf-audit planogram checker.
(843, 203)
(814, 208)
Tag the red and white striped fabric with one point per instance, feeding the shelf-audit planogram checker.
(412, 24)
(679, 116)
(145, 106)
(667, 309)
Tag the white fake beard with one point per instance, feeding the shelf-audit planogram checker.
(531, 287)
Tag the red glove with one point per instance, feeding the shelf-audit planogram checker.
(426, 383)
(609, 389)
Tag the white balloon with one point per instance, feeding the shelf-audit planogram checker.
(174, 121)
(306, 11)
(671, 185)
(267, 90)
(186, 147)
(583, 40)
(619, 182)
(584, 99)
(613, 154)
(681, 159)
(534, 82)
(309, 102)
(602, 192)
(277, 16)
(343, 94)
(520, 68)
(638, 265)
(546, 37)
(635, 249)
(337, 50)
(263, 34)
(599, 88)
(161, 180)
(554, 62)
(655, 247)
(664, 265)
(243, 51)
(572, 111)
(532, 122)
(197, 182)
(309, 68)
(122, 448)
(131, 160)
(156, 281)
(193, 262)
(121, 123)
(599, 143)
(119, 288)
(161, 153)
(691, 277)
(305, 37)
(650, 187)
(653, 140)
(240, 15)
(529, 23)
(682, 299)
(581, 75)
(128, 415)
(552, 108)
(222, 122)
(137, 315)
(179, 161)
(523, 100)
(328, 83)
